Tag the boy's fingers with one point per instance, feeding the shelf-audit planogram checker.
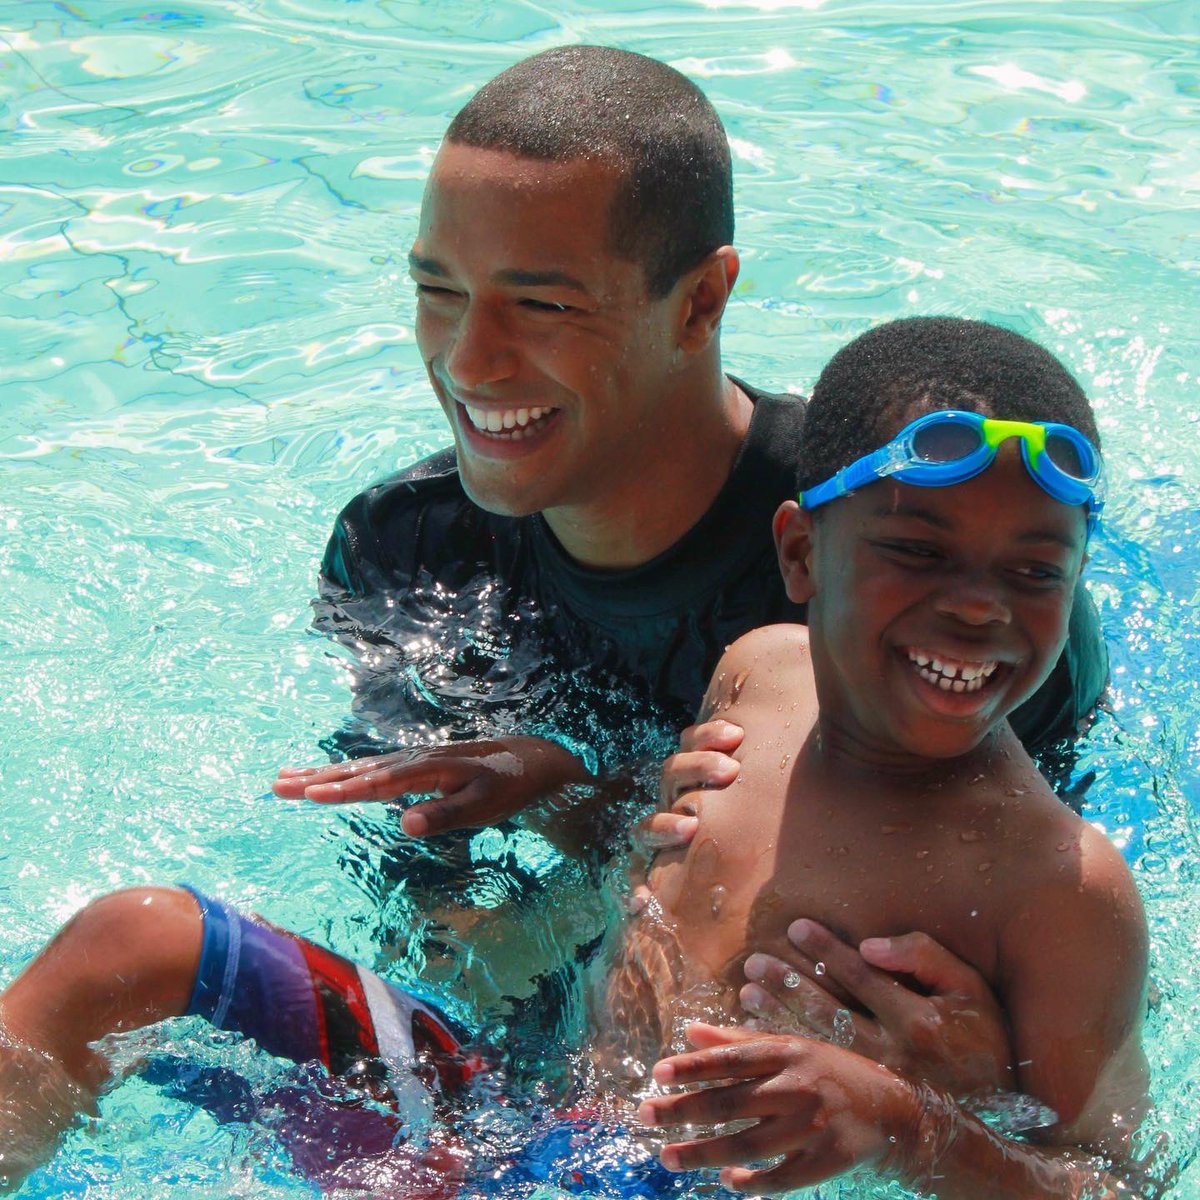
(936, 968)
(772, 1136)
(688, 771)
(845, 972)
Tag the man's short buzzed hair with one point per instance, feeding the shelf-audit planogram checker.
(871, 388)
(674, 204)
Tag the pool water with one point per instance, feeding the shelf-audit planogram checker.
(207, 349)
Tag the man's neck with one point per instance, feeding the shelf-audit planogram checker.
(645, 515)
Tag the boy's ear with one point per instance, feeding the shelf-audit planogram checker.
(793, 527)
(707, 288)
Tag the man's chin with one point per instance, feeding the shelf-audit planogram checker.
(495, 497)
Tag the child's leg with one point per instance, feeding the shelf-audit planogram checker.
(126, 960)
(139, 956)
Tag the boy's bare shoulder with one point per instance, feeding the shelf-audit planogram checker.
(1068, 876)
(761, 664)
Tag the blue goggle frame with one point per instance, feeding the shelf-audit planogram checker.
(1058, 458)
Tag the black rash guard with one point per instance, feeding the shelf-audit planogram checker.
(467, 624)
(464, 624)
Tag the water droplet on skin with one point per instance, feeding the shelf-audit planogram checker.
(922, 853)
(819, 968)
(783, 762)
(971, 835)
(716, 899)
(792, 979)
(843, 1028)
(984, 866)
(1062, 846)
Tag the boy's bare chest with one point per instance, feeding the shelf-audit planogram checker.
(867, 870)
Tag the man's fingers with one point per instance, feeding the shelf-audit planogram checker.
(664, 831)
(291, 783)
(389, 782)
(690, 770)
(723, 736)
(772, 1136)
(747, 1055)
(470, 807)
(806, 1007)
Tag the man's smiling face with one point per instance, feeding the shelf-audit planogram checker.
(544, 349)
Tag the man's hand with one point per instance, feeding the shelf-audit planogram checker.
(702, 761)
(905, 1002)
(817, 1109)
(476, 783)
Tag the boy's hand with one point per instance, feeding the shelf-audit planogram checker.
(477, 783)
(820, 1108)
(947, 1030)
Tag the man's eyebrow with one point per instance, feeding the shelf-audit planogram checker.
(429, 266)
(509, 277)
(938, 521)
(516, 277)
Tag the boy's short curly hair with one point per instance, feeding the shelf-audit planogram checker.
(892, 374)
(674, 202)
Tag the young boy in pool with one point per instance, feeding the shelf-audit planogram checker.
(882, 790)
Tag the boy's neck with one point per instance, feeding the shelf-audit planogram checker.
(844, 751)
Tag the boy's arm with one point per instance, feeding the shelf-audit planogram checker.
(1073, 967)
(1074, 962)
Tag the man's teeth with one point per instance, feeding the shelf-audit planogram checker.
(513, 421)
(951, 676)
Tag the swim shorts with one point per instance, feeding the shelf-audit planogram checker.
(302, 1002)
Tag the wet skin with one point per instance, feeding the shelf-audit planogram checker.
(901, 804)
(525, 315)
(977, 579)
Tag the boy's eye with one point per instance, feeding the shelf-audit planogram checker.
(915, 551)
(1044, 573)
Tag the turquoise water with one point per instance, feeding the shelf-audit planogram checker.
(207, 348)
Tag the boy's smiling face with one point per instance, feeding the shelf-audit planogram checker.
(934, 611)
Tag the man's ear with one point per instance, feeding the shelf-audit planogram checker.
(707, 288)
(793, 528)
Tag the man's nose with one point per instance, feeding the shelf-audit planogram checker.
(481, 349)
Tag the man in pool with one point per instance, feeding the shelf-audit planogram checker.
(609, 496)
(607, 506)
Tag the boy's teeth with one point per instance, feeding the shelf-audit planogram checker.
(951, 676)
(510, 420)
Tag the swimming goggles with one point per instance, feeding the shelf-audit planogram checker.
(945, 448)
